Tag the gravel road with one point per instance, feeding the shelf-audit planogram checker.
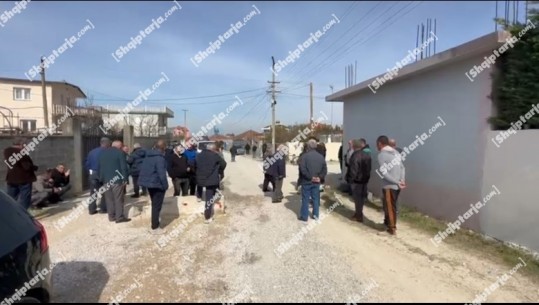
(235, 259)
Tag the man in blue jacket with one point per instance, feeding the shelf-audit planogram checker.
(153, 175)
(135, 161)
(210, 168)
(92, 166)
(277, 171)
(191, 154)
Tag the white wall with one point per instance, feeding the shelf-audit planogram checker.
(513, 168)
(444, 176)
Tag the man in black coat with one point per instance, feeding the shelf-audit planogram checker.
(135, 161)
(358, 175)
(209, 170)
(277, 171)
(21, 172)
(60, 178)
(179, 172)
(233, 152)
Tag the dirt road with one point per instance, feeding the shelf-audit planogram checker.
(235, 259)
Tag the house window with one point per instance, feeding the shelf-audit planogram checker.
(21, 94)
(28, 125)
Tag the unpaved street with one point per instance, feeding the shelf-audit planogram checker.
(233, 259)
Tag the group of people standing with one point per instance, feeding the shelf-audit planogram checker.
(27, 188)
(358, 161)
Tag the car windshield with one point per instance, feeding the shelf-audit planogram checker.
(204, 145)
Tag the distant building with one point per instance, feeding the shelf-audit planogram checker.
(146, 121)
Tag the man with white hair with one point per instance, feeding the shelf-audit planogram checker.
(113, 172)
(313, 170)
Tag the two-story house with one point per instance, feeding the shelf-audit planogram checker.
(21, 103)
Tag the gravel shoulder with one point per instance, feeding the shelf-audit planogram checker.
(234, 259)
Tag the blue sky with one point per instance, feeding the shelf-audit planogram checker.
(242, 63)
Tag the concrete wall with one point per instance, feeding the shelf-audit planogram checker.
(49, 153)
(512, 168)
(444, 176)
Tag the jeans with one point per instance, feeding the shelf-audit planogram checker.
(181, 186)
(210, 200)
(278, 191)
(95, 184)
(157, 197)
(389, 200)
(21, 193)
(309, 191)
(359, 192)
(137, 187)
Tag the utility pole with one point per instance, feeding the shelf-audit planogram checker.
(331, 87)
(185, 117)
(311, 107)
(44, 92)
(273, 103)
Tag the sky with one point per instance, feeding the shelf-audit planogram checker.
(375, 34)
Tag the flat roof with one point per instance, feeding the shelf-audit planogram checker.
(469, 49)
(22, 80)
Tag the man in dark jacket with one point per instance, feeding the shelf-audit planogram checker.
(247, 148)
(233, 152)
(340, 157)
(264, 148)
(153, 175)
(313, 170)
(278, 172)
(267, 177)
(135, 162)
(358, 175)
(113, 175)
(21, 172)
(210, 169)
(179, 172)
(92, 166)
(60, 178)
(254, 150)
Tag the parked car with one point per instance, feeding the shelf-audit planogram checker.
(203, 144)
(24, 251)
(240, 150)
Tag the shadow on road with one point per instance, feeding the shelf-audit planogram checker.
(170, 211)
(79, 282)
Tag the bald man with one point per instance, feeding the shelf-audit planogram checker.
(113, 173)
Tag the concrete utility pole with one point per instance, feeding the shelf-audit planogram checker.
(44, 92)
(273, 103)
(331, 87)
(311, 108)
(185, 117)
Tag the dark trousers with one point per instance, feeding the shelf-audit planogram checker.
(389, 200)
(95, 184)
(55, 197)
(309, 191)
(137, 187)
(267, 180)
(192, 184)
(157, 197)
(278, 191)
(115, 199)
(181, 186)
(21, 193)
(210, 200)
(233, 157)
(359, 192)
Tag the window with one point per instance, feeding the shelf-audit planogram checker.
(21, 94)
(28, 125)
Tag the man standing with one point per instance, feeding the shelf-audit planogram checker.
(277, 171)
(233, 152)
(392, 181)
(313, 170)
(21, 174)
(393, 144)
(210, 170)
(358, 175)
(340, 157)
(113, 173)
(191, 154)
(264, 149)
(153, 175)
(247, 148)
(267, 177)
(92, 166)
(135, 162)
(179, 172)
(254, 150)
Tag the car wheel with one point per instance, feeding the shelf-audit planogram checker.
(28, 300)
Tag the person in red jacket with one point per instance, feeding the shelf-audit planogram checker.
(20, 173)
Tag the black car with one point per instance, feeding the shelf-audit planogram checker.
(24, 256)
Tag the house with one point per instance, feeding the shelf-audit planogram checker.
(146, 121)
(456, 163)
(250, 136)
(21, 103)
